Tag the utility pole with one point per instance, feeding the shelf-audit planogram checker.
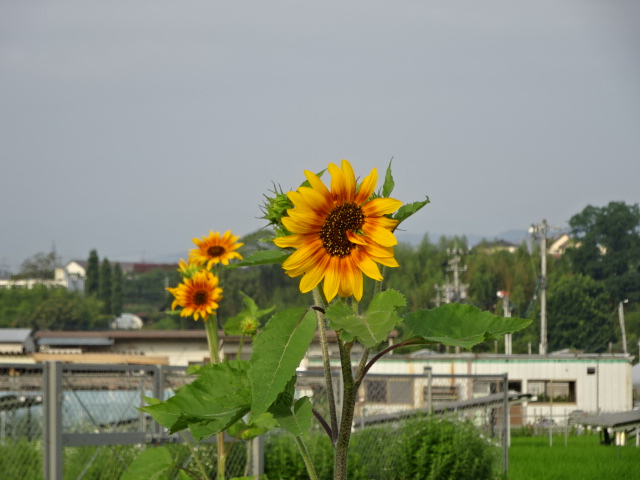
(454, 266)
(506, 309)
(539, 232)
(621, 317)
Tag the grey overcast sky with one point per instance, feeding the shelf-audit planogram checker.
(133, 126)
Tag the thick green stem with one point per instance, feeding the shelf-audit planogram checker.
(346, 420)
(203, 471)
(211, 324)
(306, 458)
(331, 399)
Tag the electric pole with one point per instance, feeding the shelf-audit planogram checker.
(622, 328)
(539, 232)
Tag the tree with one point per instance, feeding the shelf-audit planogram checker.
(116, 290)
(41, 265)
(105, 286)
(608, 247)
(579, 314)
(92, 282)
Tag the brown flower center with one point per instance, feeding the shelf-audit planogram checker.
(200, 297)
(343, 218)
(215, 251)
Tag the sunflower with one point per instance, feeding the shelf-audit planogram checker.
(199, 295)
(339, 234)
(215, 249)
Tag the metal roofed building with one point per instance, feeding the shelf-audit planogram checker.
(17, 341)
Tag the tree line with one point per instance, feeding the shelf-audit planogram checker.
(600, 269)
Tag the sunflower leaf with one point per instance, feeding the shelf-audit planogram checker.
(458, 325)
(152, 463)
(262, 257)
(277, 351)
(208, 405)
(373, 327)
(408, 209)
(389, 184)
(296, 421)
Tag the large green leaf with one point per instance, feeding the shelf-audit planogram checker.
(262, 257)
(296, 421)
(277, 351)
(408, 209)
(459, 325)
(374, 325)
(211, 403)
(152, 464)
(247, 431)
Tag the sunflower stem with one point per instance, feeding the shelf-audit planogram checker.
(195, 455)
(318, 298)
(211, 324)
(306, 458)
(346, 420)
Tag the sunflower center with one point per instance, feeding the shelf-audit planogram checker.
(343, 218)
(200, 297)
(215, 251)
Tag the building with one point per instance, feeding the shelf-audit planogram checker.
(16, 341)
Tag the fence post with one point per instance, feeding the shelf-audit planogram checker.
(429, 393)
(507, 426)
(158, 392)
(52, 442)
(257, 456)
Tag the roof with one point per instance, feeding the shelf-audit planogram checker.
(620, 420)
(494, 400)
(68, 342)
(14, 335)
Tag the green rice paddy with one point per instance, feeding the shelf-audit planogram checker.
(583, 458)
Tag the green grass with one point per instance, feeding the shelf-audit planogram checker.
(583, 458)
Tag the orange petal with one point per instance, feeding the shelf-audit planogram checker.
(379, 234)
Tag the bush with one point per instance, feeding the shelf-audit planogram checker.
(432, 448)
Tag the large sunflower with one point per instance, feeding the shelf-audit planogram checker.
(215, 249)
(199, 295)
(340, 233)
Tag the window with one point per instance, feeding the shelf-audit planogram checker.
(556, 391)
(389, 391)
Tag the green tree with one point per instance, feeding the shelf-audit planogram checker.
(579, 314)
(608, 247)
(92, 282)
(116, 290)
(105, 286)
(41, 265)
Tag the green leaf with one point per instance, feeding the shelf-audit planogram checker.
(152, 464)
(210, 404)
(259, 426)
(389, 184)
(262, 257)
(298, 421)
(459, 325)
(374, 326)
(261, 477)
(277, 351)
(408, 209)
(233, 326)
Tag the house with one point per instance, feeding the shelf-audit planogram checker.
(560, 384)
(16, 341)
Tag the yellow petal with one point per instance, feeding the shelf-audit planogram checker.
(379, 234)
(380, 206)
(367, 187)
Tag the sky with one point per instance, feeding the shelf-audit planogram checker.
(133, 127)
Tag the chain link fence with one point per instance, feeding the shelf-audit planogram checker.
(96, 430)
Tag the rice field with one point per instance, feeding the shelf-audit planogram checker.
(583, 459)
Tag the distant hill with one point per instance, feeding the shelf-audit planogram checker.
(514, 236)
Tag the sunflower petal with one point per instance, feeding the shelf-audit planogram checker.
(367, 187)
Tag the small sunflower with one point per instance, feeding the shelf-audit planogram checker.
(215, 249)
(198, 296)
(340, 233)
